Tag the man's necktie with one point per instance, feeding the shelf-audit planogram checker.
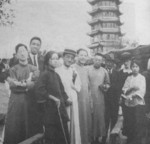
(35, 64)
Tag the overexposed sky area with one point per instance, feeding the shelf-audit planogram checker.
(63, 23)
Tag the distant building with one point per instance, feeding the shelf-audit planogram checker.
(105, 25)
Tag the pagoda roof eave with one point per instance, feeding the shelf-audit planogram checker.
(94, 45)
(103, 9)
(104, 20)
(91, 34)
(92, 2)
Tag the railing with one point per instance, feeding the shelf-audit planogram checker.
(37, 139)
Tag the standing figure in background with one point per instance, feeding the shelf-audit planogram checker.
(13, 61)
(147, 101)
(99, 83)
(21, 82)
(4, 92)
(123, 74)
(72, 85)
(84, 97)
(50, 92)
(112, 95)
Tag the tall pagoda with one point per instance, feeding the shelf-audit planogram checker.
(105, 25)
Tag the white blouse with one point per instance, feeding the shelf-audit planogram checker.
(137, 86)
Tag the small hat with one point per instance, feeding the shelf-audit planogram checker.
(69, 51)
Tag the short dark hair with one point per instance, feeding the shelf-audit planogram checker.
(81, 49)
(19, 45)
(135, 61)
(36, 38)
(48, 56)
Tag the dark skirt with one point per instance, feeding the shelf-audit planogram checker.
(16, 119)
(140, 124)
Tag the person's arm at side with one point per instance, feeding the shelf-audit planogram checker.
(140, 93)
(41, 91)
(65, 96)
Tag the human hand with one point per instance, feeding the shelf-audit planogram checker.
(29, 84)
(148, 115)
(57, 101)
(69, 102)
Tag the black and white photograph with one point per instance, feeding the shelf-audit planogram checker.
(74, 71)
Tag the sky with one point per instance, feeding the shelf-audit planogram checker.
(63, 24)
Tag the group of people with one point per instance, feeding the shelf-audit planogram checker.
(73, 103)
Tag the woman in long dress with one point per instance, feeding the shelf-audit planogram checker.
(22, 77)
(50, 93)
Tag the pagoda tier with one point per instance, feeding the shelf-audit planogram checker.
(104, 19)
(96, 10)
(104, 8)
(92, 2)
(105, 30)
(110, 43)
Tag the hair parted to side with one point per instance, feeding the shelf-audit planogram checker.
(48, 56)
(135, 61)
(20, 45)
(36, 38)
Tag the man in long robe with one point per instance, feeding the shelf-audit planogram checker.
(84, 98)
(99, 83)
(71, 82)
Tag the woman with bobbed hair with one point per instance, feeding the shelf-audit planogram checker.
(50, 92)
(133, 92)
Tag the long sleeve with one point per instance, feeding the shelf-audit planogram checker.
(65, 96)
(12, 78)
(107, 79)
(41, 88)
(135, 87)
(142, 87)
(77, 83)
(126, 85)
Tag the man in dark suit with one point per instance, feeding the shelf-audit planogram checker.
(35, 55)
(112, 95)
(34, 109)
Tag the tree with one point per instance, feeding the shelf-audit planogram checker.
(6, 13)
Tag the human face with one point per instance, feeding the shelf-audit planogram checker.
(127, 64)
(53, 61)
(35, 46)
(68, 59)
(97, 61)
(135, 69)
(22, 54)
(82, 57)
(109, 64)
